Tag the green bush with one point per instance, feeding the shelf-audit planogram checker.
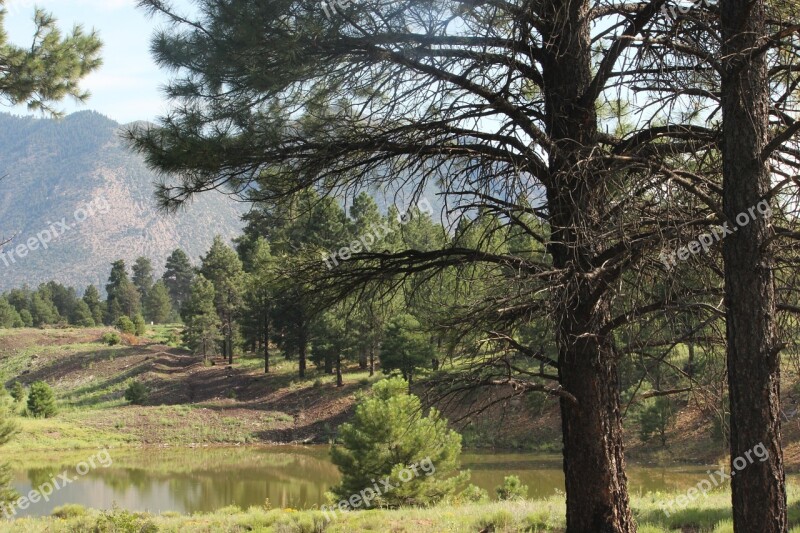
(512, 489)
(655, 419)
(139, 326)
(120, 521)
(137, 393)
(174, 338)
(474, 494)
(71, 510)
(389, 435)
(501, 520)
(126, 325)
(18, 392)
(41, 401)
(111, 338)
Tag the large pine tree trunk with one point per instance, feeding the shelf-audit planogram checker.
(594, 465)
(759, 491)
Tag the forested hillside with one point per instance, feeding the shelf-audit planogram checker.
(77, 171)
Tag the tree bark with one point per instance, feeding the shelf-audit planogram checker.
(339, 381)
(266, 343)
(372, 360)
(594, 464)
(758, 489)
(229, 343)
(303, 340)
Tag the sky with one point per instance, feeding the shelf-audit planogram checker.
(128, 85)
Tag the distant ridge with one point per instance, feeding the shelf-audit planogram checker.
(75, 180)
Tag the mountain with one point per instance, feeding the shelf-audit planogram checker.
(74, 183)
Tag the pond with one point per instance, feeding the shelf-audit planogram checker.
(192, 480)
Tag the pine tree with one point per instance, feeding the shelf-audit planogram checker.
(82, 315)
(223, 268)
(390, 432)
(310, 227)
(50, 68)
(199, 314)
(143, 276)
(123, 296)
(332, 341)
(43, 311)
(18, 392)
(41, 400)
(139, 326)
(178, 277)
(92, 299)
(64, 298)
(259, 298)
(159, 305)
(405, 347)
(9, 317)
(366, 223)
(20, 299)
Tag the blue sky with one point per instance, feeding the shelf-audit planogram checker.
(127, 86)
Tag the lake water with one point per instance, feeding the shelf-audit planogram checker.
(205, 479)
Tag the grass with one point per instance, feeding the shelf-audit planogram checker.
(161, 333)
(711, 515)
(67, 431)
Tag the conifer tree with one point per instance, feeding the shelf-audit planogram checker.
(159, 305)
(92, 298)
(123, 296)
(82, 315)
(50, 68)
(405, 347)
(41, 400)
(390, 432)
(178, 276)
(200, 317)
(259, 298)
(143, 276)
(223, 268)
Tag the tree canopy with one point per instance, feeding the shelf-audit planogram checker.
(51, 67)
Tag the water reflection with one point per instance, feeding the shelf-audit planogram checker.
(193, 480)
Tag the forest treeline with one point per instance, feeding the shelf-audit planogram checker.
(242, 296)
